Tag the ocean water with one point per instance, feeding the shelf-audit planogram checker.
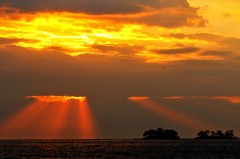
(120, 149)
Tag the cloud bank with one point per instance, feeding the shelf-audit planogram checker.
(148, 12)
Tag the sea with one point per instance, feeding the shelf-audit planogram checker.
(120, 149)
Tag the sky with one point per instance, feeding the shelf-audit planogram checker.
(133, 65)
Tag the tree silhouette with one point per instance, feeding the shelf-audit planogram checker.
(161, 134)
(213, 134)
(216, 135)
(203, 134)
(229, 134)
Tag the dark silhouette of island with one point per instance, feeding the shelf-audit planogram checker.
(161, 134)
(207, 134)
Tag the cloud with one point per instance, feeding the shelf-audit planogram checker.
(176, 35)
(225, 43)
(44, 70)
(174, 17)
(164, 13)
(89, 7)
(107, 84)
(218, 53)
(178, 50)
(92, 6)
(201, 36)
(224, 46)
(123, 49)
(10, 41)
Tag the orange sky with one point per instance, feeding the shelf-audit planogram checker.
(155, 32)
(184, 53)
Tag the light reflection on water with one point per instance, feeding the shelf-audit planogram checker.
(132, 149)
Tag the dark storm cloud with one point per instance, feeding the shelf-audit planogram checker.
(178, 50)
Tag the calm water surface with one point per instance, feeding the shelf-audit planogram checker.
(120, 149)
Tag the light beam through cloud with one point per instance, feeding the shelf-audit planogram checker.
(171, 114)
(51, 117)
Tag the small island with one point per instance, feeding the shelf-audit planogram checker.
(161, 134)
(170, 134)
(207, 134)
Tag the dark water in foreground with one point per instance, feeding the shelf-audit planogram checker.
(120, 149)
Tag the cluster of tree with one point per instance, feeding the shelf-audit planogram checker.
(207, 134)
(170, 134)
(161, 134)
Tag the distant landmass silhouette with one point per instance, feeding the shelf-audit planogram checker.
(161, 134)
(170, 134)
(207, 134)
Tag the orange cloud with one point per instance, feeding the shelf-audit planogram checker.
(138, 98)
(153, 12)
(178, 50)
(174, 97)
(133, 31)
(232, 99)
(53, 98)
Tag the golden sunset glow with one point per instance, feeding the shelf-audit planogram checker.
(180, 59)
(52, 117)
(174, 97)
(109, 35)
(232, 99)
(56, 98)
(138, 98)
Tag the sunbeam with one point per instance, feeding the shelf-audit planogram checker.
(172, 115)
(88, 128)
(51, 117)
